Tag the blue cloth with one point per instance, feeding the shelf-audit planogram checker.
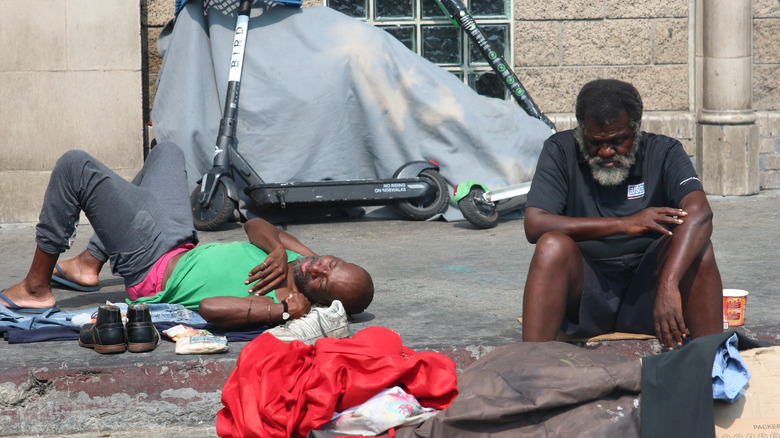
(53, 333)
(159, 311)
(180, 4)
(729, 372)
(71, 333)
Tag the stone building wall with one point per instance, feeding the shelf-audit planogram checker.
(766, 88)
(70, 78)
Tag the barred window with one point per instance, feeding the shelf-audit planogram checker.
(424, 28)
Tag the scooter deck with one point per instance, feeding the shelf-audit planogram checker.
(326, 193)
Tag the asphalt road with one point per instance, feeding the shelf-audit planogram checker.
(441, 284)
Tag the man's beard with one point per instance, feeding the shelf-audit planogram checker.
(302, 280)
(608, 176)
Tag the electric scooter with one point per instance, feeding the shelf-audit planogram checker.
(416, 190)
(479, 205)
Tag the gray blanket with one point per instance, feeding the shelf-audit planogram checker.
(325, 96)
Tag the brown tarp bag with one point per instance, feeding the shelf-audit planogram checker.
(541, 390)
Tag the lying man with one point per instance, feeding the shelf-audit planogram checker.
(145, 229)
(622, 230)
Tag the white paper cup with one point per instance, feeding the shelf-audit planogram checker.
(734, 304)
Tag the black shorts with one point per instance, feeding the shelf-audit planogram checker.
(618, 295)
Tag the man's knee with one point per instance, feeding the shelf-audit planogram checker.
(556, 246)
(69, 163)
(168, 148)
(73, 157)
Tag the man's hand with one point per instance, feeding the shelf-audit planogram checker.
(298, 305)
(652, 219)
(538, 222)
(269, 275)
(669, 324)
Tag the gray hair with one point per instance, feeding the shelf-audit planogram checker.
(604, 100)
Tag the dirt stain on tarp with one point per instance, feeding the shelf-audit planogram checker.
(373, 68)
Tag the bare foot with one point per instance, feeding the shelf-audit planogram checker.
(35, 298)
(82, 269)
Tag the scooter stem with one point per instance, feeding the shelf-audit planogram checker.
(227, 125)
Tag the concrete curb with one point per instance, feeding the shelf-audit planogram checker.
(180, 395)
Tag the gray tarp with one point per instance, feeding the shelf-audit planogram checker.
(325, 96)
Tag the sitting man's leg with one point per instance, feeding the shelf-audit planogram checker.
(701, 293)
(553, 287)
(702, 296)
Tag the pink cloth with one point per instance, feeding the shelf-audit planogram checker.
(152, 284)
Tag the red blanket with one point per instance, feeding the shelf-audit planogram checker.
(284, 390)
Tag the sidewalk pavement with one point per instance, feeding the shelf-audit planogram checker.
(443, 286)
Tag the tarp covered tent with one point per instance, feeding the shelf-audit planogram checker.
(326, 96)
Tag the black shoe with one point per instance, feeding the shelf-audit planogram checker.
(107, 334)
(142, 335)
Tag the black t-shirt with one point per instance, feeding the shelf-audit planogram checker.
(563, 185)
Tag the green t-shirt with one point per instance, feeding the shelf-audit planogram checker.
(212, 270)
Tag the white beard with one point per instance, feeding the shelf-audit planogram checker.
(608, 176)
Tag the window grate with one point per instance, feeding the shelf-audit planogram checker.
(424, 28)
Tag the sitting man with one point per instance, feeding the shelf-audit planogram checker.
(622, 230)
(145, 229)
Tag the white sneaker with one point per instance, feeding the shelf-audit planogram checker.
(320, 322)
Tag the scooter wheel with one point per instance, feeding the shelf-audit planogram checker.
(216, 214)
(481, 213)
(426, 207)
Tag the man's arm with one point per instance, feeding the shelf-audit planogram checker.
(272, 272)
(268, 237)
(236, 313)
(538, 221)
(689, 241)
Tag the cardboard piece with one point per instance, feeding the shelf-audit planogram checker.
(612, 336)
(757, 412)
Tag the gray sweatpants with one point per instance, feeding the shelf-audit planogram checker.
(135, 223)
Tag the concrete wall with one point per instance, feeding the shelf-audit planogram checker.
(766, 88)
(155, 14)
(561, 44)
(79, 74)
(70, 77)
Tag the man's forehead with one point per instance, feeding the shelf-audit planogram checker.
(616, 127)
(346, 269)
